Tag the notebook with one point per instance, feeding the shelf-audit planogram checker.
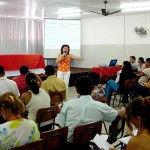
(113, 62)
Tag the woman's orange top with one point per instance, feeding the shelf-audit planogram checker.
(64, 64)
(140, 142)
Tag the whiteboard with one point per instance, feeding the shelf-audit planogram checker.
(59, 32)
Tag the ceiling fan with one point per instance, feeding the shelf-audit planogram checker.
(105, 12)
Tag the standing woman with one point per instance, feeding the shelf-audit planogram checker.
(63, 61)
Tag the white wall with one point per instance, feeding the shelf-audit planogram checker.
(134, 44)
(105, 38)
(101, 31)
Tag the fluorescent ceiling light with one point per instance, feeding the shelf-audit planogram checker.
(69, 15)
(135, 9)
(3, 3)
(68, 10)
(134, 5)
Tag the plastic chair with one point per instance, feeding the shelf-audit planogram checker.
(55, 139)
(47, 114)
(37, 145)
(128, 92)
(101, 99)
(83, 134)
(57, 97)
(2, 120)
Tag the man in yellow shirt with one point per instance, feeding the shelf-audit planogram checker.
(52, 83)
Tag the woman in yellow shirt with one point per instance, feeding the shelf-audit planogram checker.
(63, 61)
(138, 114)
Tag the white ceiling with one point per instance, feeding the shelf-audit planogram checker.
(52, 8)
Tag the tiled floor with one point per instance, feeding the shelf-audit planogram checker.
(72, 94)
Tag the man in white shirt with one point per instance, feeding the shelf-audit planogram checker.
(84, 109)
(7, 85)
(133, 63)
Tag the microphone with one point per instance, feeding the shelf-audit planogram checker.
(65, 54)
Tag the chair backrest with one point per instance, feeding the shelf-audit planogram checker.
(57, 97)
(130, 84)
(101, 99)
(37, 145)
(2, 120)
(47, 114)
(84, 133)
(116, 128)
(23, 90)
(54, 139)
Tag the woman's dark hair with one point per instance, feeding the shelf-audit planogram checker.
(2, 70)
(24, 69)
(65, 45)
(84, 85)
(49, 70)
(32, 83)
(12, 102)
(148, 60)
(127, 68)
(141, 59)
(94, 77)
(133, 57)
(139, 107)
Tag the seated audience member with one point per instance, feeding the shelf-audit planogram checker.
(97, 90)
(144, 77)
(20, 80)
(16, 131)
(141, 64)
(144, 89)
(147, 85)
(7, 85)
(133, 63)
(36, 98)
(111, 86)
(84, 109)
(52, 83)
(138, 114)
(145, 74)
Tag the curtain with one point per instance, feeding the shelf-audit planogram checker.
(21, 36)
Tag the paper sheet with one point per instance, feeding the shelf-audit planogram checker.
(125, 140)
(100, 141)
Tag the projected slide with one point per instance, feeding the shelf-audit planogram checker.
(59, 32)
